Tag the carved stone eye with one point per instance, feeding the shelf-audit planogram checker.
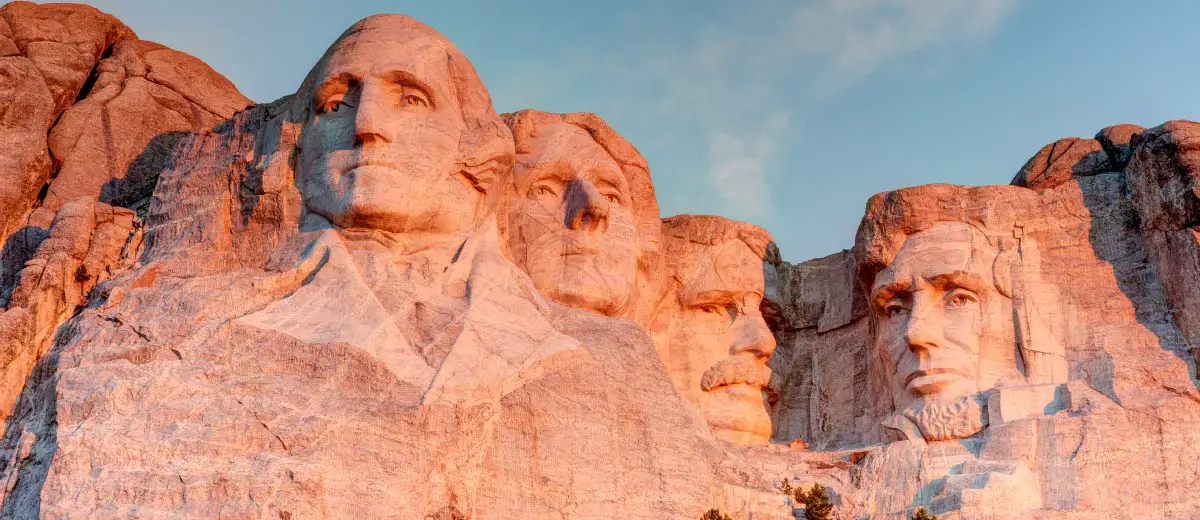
(334, 105)
(894, 308)
(961, 298)
(413, 100)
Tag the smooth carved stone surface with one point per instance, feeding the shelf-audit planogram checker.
(716, 343)
(948, 309)
(1057, 162)
(1094, 291)
(580, 215)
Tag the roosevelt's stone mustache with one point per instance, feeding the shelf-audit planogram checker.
(735, 370)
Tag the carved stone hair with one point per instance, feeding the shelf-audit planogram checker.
(713, 230)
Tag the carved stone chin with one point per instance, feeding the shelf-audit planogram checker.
(945, 420)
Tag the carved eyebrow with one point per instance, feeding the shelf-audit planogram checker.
(960, 279)
(607, 179)
(887, 291)
(407, 79)
(542, 171)
(335, 84)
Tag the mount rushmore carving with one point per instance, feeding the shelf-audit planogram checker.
(378, 297)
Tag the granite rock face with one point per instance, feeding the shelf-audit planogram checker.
(90, 111)
(376, 297)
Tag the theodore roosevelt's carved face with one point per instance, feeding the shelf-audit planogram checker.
(571, 221)
(379, 148)
(718, 343)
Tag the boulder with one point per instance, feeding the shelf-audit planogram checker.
(1117, 143)
(1057, 162)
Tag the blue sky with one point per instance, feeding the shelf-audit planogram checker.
(786, 114)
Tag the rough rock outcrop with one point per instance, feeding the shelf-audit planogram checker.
(1057, 162)
(1117, 141)
(90, 111)
(1164, 177)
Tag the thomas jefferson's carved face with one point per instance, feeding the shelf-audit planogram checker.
(380, 147)
(719, 343)
(936, 310)
(571, 221)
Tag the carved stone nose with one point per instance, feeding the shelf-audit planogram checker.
(753, 337)
(587, 209)
(368, 118)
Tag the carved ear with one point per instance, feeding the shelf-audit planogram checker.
(1002, 268)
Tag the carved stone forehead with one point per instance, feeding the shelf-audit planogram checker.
(945, 248)
(381, 50)
(728, 266)
(386, 43)
(559, 143)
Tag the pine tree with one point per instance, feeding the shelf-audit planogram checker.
(922, 514)
(786, 488)
(715, 514)
(816, 503)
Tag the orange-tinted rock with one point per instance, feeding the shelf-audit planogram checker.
(86, 242)
(323, 320)
(1057, 162)
(1116, 140)
(49, 52)
(146, 97)
(90, 111)
(282, 338)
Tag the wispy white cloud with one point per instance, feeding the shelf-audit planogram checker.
(731, 83)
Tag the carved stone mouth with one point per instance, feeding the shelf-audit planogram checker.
(930, 372)
(371, 162)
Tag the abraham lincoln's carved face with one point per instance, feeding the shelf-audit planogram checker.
(940, 323)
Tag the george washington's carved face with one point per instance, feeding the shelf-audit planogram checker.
(379, 148)
(571, 221)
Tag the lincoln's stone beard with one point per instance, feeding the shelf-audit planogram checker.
(943, 420)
